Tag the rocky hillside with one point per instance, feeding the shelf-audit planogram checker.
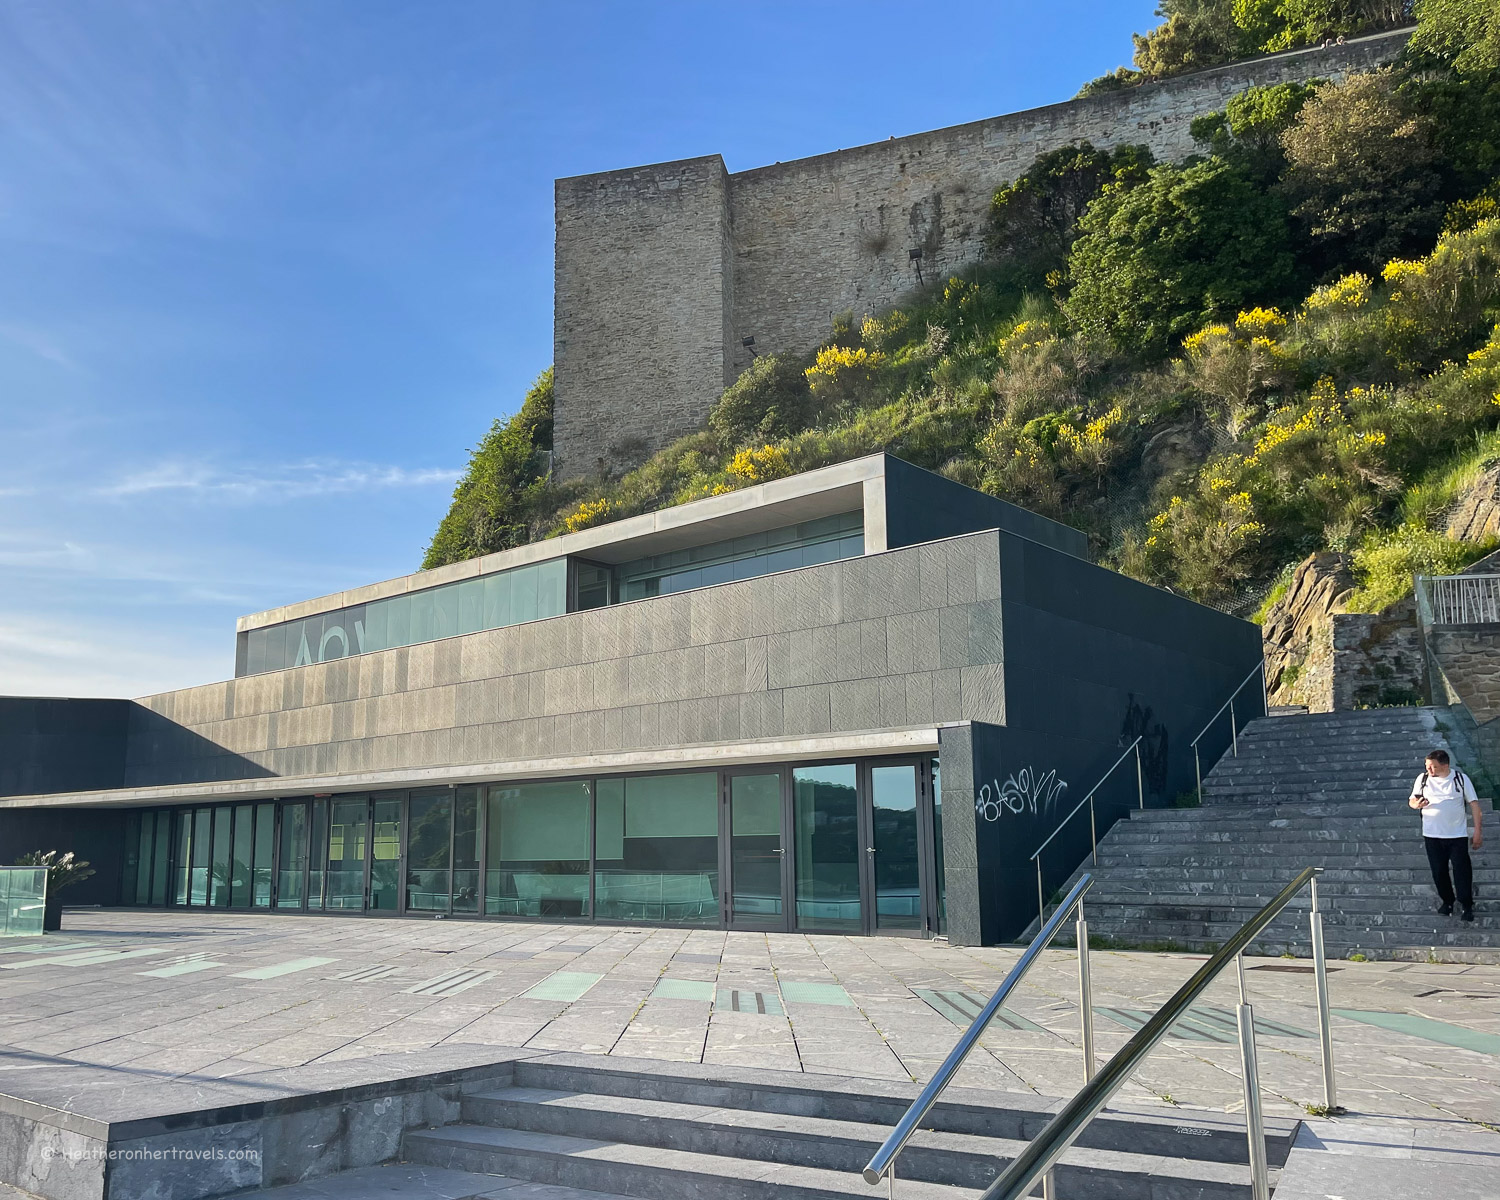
(1285, 346)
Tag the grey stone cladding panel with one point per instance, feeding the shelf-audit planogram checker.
(911, 636)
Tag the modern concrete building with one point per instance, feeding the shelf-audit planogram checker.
(854, 700)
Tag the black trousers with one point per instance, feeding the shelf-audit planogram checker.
(1441, 852)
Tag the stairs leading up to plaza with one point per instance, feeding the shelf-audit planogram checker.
(1367, 756)
(1326, 790)
(679, 1132)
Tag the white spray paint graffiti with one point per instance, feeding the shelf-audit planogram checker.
(1025, 791)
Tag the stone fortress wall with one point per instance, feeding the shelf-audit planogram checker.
(662, 270)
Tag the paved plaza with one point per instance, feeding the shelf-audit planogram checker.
(153, 996)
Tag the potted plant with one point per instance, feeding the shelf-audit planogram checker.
(63, 870)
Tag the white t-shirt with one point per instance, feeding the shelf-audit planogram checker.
(1445, 815)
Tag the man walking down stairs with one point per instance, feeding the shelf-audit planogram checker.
(1318, 789)
(1445, 796)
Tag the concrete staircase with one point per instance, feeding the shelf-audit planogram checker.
(673, 1131)
(1323, 789)
(1370, 755)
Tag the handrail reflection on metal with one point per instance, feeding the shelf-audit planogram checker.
(1234, 732)
(1042, 1153)
(883, 1164)
(1140, 792)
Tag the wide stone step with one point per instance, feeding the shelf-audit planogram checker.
(1346, 855)
(664, 1173)
(1234, 914)
(880, 1105)
(1349, 810)
(1225, 877)
(1417, 901)
(409, 1181)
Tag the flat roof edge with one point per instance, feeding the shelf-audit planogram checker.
(864, 744)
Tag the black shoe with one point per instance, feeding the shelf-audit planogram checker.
(1446, 908)
(1467, 914)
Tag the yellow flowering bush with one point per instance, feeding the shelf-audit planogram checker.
(587, 515)
(757, 466)
(1346, 295)
(1257, 323)
(841, 372)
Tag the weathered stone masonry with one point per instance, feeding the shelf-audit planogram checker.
(662, 270)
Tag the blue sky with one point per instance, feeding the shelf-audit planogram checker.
(269, 269)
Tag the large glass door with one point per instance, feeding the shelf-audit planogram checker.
(894, 876)
(291, 874)
(827, 848)
(429, 850)
(385, 854)
(348, 837)
(756, 867)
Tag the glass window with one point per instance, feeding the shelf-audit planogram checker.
(199, 893)
(826, 821)
(161, 858)
(398, 621)
(937, 846)
(898, 890)
(265, 831)
(385, 854)
(466, 850)
(755, 849)
(444, 610)
(220, 875)
(470, 605)
(551, 587)
(317, 854)
(244, 843)
(423, 617)
(291, 878)
(537, 861)
(657, 850)
(372, 631)
(523, 602)
(591, 584)
(255, 651)
(429, 842)
(143, 862)
(132, 861)
(347, 831)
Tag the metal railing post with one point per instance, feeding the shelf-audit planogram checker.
(1198, 771)
(1325, 1030)
(1085, 995)
(1041, 905)
(1049, 1186)
(1093, 835)
(1234, 729)
(1140, 786)
(1260, 1180)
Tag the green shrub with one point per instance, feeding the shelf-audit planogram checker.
(1387, 563)
(1158, 260)
(770, 400)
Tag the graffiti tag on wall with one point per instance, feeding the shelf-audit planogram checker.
(1023, 792)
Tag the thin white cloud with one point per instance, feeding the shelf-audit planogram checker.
(38, 342)
(294, 481)
(40, 657)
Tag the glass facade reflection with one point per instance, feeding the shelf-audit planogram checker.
(464, 606)
(825, 540)
(540, 590)
(773, 847)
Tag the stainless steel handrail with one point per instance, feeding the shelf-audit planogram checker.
(1140, 791)
(1234, 733)
(1042, 1153)
(883, 1163)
